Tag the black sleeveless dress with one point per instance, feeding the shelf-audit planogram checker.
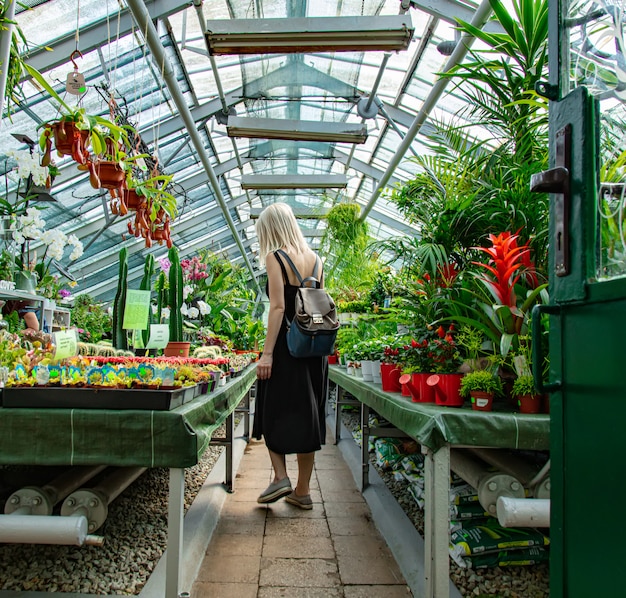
(291, 404)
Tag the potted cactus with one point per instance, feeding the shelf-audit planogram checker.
(176, 345)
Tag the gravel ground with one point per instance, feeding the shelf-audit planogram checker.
(135, 535)
(510, 582)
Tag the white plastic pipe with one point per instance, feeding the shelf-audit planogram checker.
(26, 529)
(523, 512)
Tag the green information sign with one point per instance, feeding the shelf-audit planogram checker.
(136, 310)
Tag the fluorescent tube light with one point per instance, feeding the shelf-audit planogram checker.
(288, 181)
(299, 130)
(385, 33)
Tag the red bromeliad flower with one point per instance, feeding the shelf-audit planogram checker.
(506, 260)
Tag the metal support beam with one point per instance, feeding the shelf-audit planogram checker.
(6, 38)
(480, 18)
(139, 11)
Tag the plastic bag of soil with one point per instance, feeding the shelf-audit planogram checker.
(413, 462)
(463, 494)
(491, 537)
(470, 510)
(388, 452)
(418, 495)
(509, 558)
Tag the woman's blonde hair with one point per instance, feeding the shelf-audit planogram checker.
(277, 228)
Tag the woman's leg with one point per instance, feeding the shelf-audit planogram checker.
(305, 469)
(279, 465)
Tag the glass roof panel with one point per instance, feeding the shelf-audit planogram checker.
(317, 86)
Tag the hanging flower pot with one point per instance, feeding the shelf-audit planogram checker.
(106, 174)
(69, 140)
(481, 401)
(132, 199)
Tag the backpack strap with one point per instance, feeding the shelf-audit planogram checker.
(282, 267)
(301, 280)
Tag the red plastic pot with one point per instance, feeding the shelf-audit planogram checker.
(418, 387)
(447, 389)
(390, 376)
(481, 401)
(529, 403)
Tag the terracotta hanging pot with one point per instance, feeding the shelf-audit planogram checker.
(107, 175)
(70, 141)
(132, 199)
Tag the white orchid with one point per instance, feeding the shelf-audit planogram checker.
(205, 308)
(31, 228)
(27, 165)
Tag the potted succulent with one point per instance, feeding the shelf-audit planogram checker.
(528, 399)
(482, 386)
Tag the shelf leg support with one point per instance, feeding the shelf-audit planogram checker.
(437, 522)
(175, 510)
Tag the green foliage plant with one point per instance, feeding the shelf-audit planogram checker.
(91, 319)
(524, 385)
(482, 381)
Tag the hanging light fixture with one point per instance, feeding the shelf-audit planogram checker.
(287, 181)
(309, 34)
(299, 130)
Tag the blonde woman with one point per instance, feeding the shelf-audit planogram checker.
(291, 392)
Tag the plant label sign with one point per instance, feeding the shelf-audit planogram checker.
(159, 336)
(66, 343)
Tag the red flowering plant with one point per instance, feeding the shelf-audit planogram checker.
(508, 288)
(443, 352)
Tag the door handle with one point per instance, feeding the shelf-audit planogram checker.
(557, 181)
(537, 353)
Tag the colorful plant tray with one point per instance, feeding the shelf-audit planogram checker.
(94, 398)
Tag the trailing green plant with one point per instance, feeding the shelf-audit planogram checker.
(175, 279)
(120, 339)
(481, 381)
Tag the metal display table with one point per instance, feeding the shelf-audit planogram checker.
(175, 439)
(437, 429)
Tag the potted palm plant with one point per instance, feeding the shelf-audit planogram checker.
(482, 386)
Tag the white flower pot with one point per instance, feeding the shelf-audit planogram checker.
(366, 369)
